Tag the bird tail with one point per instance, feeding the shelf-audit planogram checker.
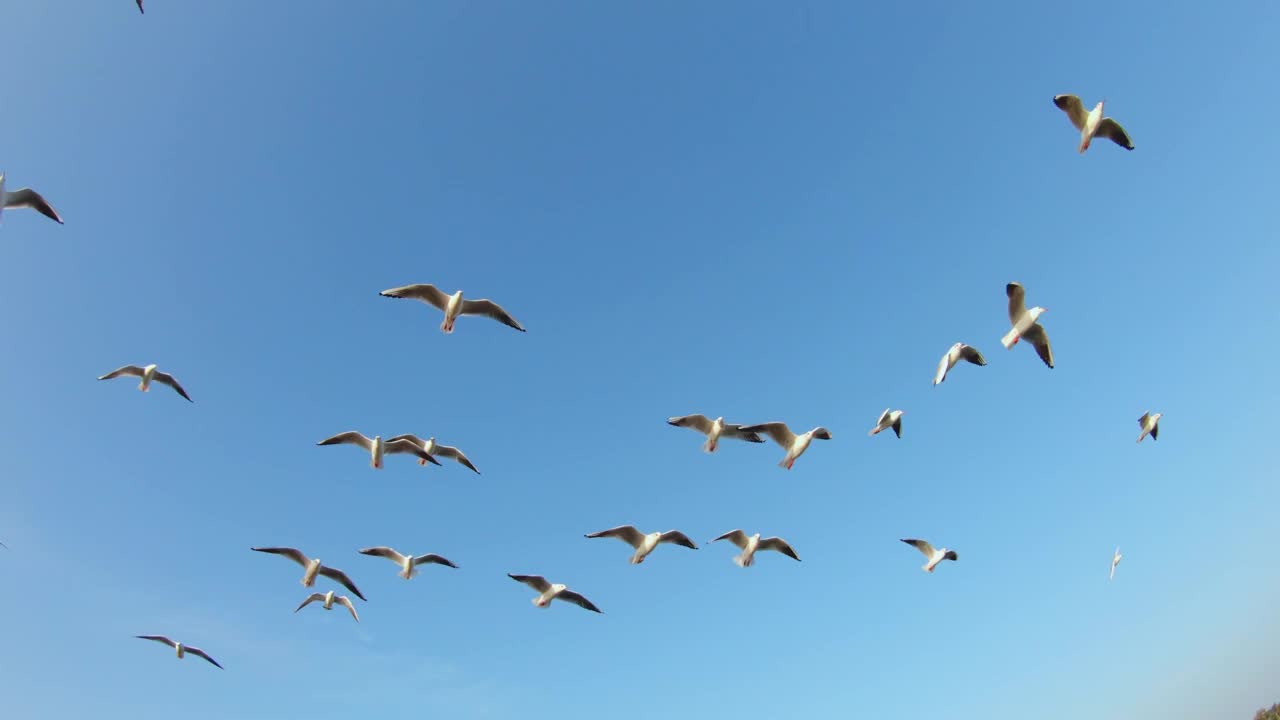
(741, 561)
(710, 445)
(1010, 338)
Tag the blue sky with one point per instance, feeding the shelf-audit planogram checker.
(759, 210)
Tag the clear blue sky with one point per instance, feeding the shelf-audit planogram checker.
(770, 211)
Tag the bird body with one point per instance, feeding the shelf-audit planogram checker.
(888, 420)
(1025, 324)
(329, 598)
(1150, 424)
(452, 305)
(714, 430)
(312, 567)
(751, 544)
(795, 445)
(180, 649)
(408, 563)
(934, 556)
(548, 592)
(954, 355)
(1092, 123)
(644, 543)
(147, 375)
(1115, 560)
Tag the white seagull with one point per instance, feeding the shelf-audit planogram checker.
(377, 448)
(329, 598)
(548, 592)
(313, 568)
(1150, 424)
(1091, 124)
(1025, 324)
(1115, 560)
(148, 374)
(182, 649)
(453, 305)
(408, 563)
(795, 445)
(888, 420)
(714, 430)
(935, 556)
(752, 544)
(433, 448)
(954, 355)
(644, 544)
(27, 198)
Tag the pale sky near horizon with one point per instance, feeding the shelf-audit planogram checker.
(758, 210)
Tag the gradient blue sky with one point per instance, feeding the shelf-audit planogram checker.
(770, 211)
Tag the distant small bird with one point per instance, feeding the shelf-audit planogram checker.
(714, 430)
(182, 649)
(750, 545)
(644, 544)
(1115, 560)
(329, 598)
(408, 563)
(1025, 324)
(935, 556)
(377, 448)
(888, 420)
(548, 592)
(433, 448)
(1091, 124)
(795, 445)
(148, 374)
(144, 12)
(1150, 424)
(955, 354)
(313, 567)
(27, 198)
(453, 305)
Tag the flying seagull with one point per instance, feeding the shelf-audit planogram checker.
(548, 592)
(1115, 560)
(329, 598)
(408, 563)
(1091, 124)
(935, 556)
(148, 374)
(1150, 424)
(182, 649)
(714, 430)
(955, 354)
(377, 448)
(888, 420)
(752, 544)
(313, 568)
(1025, 324)
(453, 305)
(433, 448)
(27, 198)
(644, 544)
(795, 445)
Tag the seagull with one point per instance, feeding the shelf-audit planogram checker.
(144, 12)
(958, 352)
(935, 556)
(432, 448)
(1091, 124)
(453, 305)
(714, 430)
(888, 420)
(795, 445)
(1025, 324)
(329, 598)
(408, 563)
(27, 198)
(750, 545)
(148, 374)
(644, 544)
(377, 447)
(548, 592)
(1115, 560)
(1150, 424)
(182, 649)
(313, 568)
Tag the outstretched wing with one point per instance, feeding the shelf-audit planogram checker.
(737, 537)
(346, 602)
(1017, 301)
(385, 552)
(736, 431)
(697, 421)
(341, 577)
(578, 600)
(1111, 130)
(777, 431)
(409, 447)
(351, 437)
(172, 382)
(291, 553)
(675, 537)
(28, 198)
(133, 370)
(1071, 105)
(157, 638)
(432, 558)
(200, 653)
(921, 545)
(626, 533)
(972, 355)
(491, 309)
(427, 293)
(456, 454)
(1039, 339)
(310, 599)
(779, 545)
(537, 582)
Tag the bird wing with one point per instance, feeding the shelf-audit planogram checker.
(157, 638)
(490, 309)
(310, 599)
(410, 437)
(351, 437)
(456, 454)
(200, 653)
(951, 555)
(972, 355)
(921, 545)
(28, 198)
(133, 370)
(1142, 421)
(578, 600)
(291, 553)
(944, 365)
(736, 431)
(737, 537)
(428, 294)
(676, 537)
(385, 552)
(1071, 105)
(697, 421)
(777, 431)
(410, 447)
(172, 382)
(144, 12)
(880, 422)
(626, 533)
(779, 545)
(1017, 301)
(537, 582)
(346, 602)
(1155, 431)
(1111, 130)
(432, 558)
(1040, 340)
(341, 577)
(897, 426)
